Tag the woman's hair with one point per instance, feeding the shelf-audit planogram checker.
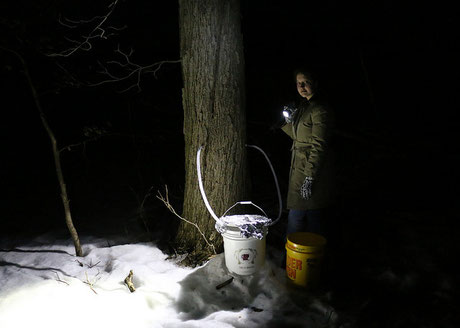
(311, 75)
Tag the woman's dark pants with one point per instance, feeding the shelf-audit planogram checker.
(306, 220)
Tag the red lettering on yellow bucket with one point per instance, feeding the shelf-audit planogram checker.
(291, 273)
(292, 265)
(298, 264)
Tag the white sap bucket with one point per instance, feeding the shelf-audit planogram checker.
(243, 255)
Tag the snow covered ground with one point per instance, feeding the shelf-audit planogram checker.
(396, 270)
(42, 284)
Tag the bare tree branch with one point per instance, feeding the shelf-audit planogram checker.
(125, 68)
(98, 31)
(169, 206)
(91, 283)
(56, 155)
(130, 70)
(60, 280)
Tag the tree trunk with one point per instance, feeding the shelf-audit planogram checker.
(214, 115)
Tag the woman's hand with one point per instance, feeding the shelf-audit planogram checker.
(289, 112)
(305, 189)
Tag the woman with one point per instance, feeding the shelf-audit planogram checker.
(309, 124)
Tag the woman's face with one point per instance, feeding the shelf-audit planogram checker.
(304, 86)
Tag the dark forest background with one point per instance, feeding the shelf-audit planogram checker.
(389, 70)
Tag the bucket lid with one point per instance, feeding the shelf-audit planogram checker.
(239, 220)
(247, 225)
(305, 242)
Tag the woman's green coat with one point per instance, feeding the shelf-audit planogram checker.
(311, 155)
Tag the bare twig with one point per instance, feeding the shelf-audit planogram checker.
(91, 265)
(59, 279)
(129, 282)
(82, 143)
(225, 283)
(91, 283)
(99, 31)
(170, 208)
(130, 70)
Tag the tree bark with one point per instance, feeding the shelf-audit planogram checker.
(214, 114)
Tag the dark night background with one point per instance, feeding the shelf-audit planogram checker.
(389, 68)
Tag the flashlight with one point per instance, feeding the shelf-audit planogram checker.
(288, 113)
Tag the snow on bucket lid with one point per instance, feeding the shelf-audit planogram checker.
(249, 225)
(305, 242)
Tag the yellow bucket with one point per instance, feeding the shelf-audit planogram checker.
(304, 254)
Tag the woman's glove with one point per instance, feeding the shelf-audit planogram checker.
(305, 189)
(289, 112)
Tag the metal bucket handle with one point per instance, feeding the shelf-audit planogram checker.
(205, 199)
(276, 182)
(245, 202)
